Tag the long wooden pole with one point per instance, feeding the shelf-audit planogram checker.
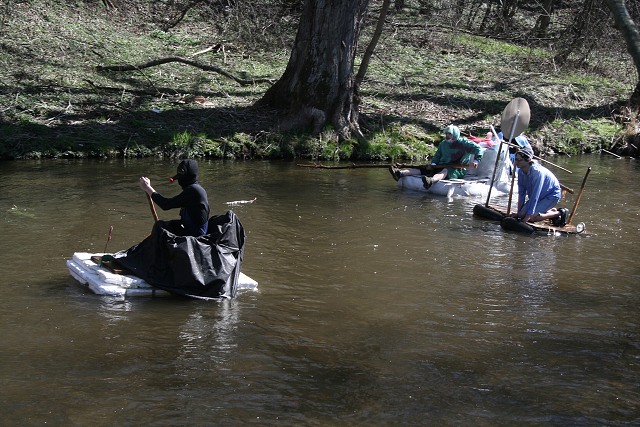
(381, 166)
(152, 207)
(513, 181)
(495, 167)
(575, 205)
(350, 166)
(542, 160)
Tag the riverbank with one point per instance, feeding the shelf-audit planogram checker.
(58, 102)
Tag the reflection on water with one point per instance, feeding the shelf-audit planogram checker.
(375, 306)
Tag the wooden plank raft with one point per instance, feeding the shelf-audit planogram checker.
(499, 213)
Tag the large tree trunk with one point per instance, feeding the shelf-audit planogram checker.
(317, 87)
(630, 32)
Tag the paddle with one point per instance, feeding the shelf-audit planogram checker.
(515, 117)
(152, 207)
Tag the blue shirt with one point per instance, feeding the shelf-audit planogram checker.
(537, 184)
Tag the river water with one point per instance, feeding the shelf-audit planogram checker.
(376, 306)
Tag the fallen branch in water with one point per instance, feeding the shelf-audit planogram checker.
(609, 152)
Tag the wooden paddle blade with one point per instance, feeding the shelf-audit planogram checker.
(515, 118)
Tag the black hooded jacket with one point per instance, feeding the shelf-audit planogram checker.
(193, 201)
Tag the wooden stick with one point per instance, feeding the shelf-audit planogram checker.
(351, 166)
(567, 189)
(609, 152)
(161, 61)
(108, 239)
(495, 167)
(153, 207)
(387, 165)
(513, 166)
(513, 180)
(538, 158)
(575, 205)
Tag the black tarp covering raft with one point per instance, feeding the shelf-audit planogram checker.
(201, 267)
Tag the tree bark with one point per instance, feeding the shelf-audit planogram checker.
(542, 24)
(631, 35)
(318, 85)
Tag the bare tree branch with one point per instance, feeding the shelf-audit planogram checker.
(156, 62)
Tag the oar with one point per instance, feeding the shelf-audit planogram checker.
(153, 207)
(575, 205)
(515, 117)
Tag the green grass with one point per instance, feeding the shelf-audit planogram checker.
(55, 103)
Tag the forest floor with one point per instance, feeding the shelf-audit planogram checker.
(56, 101)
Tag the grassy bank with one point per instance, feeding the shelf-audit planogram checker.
(56, 103)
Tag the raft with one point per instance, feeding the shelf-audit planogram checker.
(475, 183)
(203, 267)
(512, 224)
(104, 279)
(496, 213)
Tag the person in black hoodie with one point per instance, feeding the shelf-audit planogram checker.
(192, 201)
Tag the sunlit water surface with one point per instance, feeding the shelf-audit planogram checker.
(376, 306)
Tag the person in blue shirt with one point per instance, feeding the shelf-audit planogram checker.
(192, 201)
(538, 191)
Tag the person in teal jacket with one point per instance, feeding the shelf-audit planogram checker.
(453, 150)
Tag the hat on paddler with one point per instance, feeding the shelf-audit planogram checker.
(453, 130)
(526, 151)
(187, 173)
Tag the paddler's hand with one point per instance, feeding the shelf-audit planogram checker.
(145, 184)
